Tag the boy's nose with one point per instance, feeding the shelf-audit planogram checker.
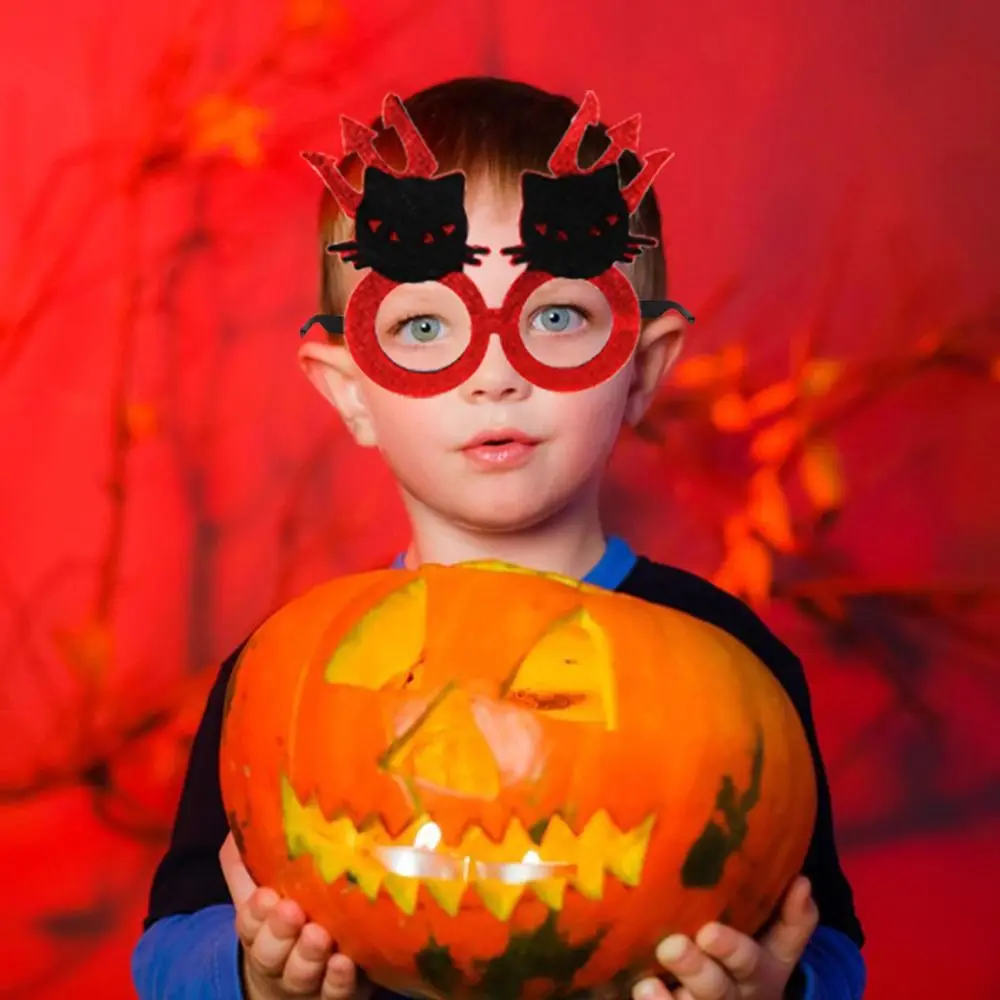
(496, 378)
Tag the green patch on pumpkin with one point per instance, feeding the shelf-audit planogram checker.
(437, 969)
(726, 829)
(541, 954)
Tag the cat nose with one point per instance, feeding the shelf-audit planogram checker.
(496, 378)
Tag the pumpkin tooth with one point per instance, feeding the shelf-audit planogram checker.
(559, 844)
(447, 894)
(498, 897)
(595, 844)
(369, 875)
(516, 842)
(404, 891)
(629, 855)
(551, 891)
(331, 843)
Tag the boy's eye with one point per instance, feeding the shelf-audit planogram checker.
(558, 319)
(422, 329)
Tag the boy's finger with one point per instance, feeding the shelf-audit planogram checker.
(788, 938)
(796, 904)
(306, 964)
(702, 976)
(238, 880)
(341, 979)
(650, 989)
(738, 953)
(250, 916)
(276, 939)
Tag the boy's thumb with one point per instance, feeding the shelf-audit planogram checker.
(241, 885)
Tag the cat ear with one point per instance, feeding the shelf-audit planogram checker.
(453, 185)
(533, 185)
(377, 180)
(606, 179)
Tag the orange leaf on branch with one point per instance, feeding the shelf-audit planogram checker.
(767, 510)
(321, 16)
(697, 372)
(748, 569)
(88, 650)
(819, 375)
(774, 443)
(821, 474)
(221, 124)
(705, 370)
(730, 413)
(773, 399)
(141, 421)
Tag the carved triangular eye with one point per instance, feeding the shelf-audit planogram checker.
(612, 220)
(364, 659)
(568, 674)
(393, 237)
(373, 224)
(428, 237)
(541, 227)
(448, 228)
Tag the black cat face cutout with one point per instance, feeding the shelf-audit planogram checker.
(409, 225)
(575, 226)
(410, 228)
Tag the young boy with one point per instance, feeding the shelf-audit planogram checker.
(494, 467)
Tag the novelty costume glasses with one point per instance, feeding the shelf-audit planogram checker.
(417, 325)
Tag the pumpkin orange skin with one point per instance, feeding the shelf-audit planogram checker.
(698, 722)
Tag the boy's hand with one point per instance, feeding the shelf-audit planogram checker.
(722, 964)
(283, 955)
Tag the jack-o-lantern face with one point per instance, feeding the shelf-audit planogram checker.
(499, 782)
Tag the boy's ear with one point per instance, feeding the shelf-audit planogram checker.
(332, 371)
(660, 343)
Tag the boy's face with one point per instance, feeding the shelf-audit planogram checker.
(496, 453)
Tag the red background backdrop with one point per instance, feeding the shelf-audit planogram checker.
(168, 478)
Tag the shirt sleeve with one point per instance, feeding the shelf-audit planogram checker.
(831, 968)
(191, 956)
(189, 877)
(830, 888)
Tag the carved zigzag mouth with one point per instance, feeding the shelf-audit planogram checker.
(546, 862)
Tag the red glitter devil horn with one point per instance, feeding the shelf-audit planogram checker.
(360, 140)
(326, 166)
(652, 165)
(420, 161)
(565, 158)
(624, 135)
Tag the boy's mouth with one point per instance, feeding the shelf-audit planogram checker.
(500, 449)
(498, 439)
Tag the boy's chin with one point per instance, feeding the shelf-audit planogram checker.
(501, 514)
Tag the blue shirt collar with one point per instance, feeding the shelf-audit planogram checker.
(610, 571)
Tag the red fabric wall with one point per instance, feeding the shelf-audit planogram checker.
(168, 477)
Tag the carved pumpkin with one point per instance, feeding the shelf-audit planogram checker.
(487, 781)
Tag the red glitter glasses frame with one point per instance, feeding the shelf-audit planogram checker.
(358, 328)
